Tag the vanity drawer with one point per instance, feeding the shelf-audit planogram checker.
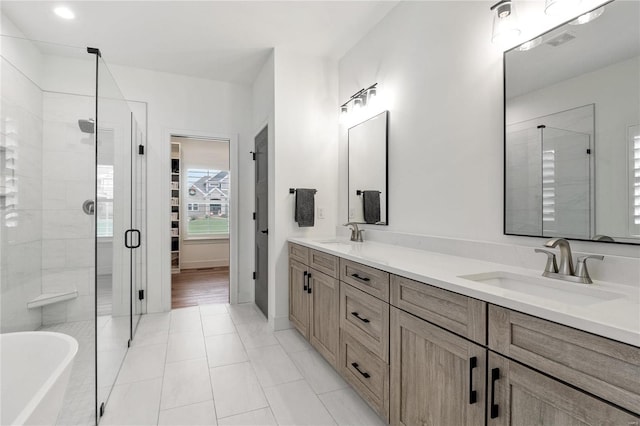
(299, 253)
(370, 280)
(366, 319)
(367, 373)
(603, 367)
(459, 314)
(324, 262)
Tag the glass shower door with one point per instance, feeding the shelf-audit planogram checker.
(120, 217)
(566, 183)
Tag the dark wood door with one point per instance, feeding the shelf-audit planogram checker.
(262, 221)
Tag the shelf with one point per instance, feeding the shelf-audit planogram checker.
(51, 298)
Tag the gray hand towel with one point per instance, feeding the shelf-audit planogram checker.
(371, 206)
(305, 207)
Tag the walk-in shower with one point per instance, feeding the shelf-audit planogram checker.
(72, 182)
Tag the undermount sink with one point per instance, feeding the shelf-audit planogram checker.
(546, 288)
(336, 242)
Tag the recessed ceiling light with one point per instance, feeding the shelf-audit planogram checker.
(64, 12)
(587, 17)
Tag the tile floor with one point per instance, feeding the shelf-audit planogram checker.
(220, 364)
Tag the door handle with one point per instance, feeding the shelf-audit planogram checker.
(473, 395)
(495, 375)
(309, 282)
(127, 236)
(137, 232)
(265, 231)
(304, 281)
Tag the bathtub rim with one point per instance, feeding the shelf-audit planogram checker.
(55, 375)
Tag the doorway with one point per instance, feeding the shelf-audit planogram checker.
(200, 221)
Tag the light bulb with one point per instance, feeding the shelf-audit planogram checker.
(64, 12)
(587, 17)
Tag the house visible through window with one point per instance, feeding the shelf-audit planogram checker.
(104, 209)
(207, 201)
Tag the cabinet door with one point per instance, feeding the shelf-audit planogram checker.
(521, 396)
(324, 333)
(298, 297)
(437, 378)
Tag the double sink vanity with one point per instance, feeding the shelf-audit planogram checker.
(435, 339)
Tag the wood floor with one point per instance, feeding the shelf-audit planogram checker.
(192, 287)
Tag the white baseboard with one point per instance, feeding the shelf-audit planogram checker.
(280, 323)
(199, 264)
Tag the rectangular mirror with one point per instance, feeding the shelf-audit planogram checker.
(572, 129)
(368, 189)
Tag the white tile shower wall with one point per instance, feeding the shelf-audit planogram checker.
(20, 221)
(68, 173)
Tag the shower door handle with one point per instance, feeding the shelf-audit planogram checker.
(127, 237)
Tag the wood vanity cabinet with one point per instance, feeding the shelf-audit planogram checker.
(437, 378)
(422, 355)
(518, 395)
(603, 367)
(314, 299)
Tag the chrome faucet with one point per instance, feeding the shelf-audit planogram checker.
(356, 233)
(565, 271)
(566, 260)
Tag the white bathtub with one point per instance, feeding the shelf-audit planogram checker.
(34, 372)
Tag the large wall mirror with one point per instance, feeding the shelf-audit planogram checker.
(368, 189)
(572, 129)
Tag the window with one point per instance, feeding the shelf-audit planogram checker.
(207, 201)
(104, 210)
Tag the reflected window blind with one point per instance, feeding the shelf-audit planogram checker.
(635, 189)
(548, 188)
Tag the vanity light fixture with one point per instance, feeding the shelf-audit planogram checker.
(64, 12)
(505, 23)
(360, 99)
(560, 7)
(588, 17)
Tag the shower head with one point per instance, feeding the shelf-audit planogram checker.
(87, 126)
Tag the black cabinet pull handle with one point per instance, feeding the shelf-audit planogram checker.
(358, 277)
(473, 395)
(355, 314)
(309, 282)
(355, 365)
(495, 375)
(304, 281)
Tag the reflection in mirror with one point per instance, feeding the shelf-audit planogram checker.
(572, 130)
(367, 186)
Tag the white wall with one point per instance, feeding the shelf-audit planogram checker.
(304, 156)
(441, 80)
(183, 105)
(202, 154)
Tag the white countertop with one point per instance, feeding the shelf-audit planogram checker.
(617, 319)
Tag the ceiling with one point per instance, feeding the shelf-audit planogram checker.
(219, 40)
(612, 38)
